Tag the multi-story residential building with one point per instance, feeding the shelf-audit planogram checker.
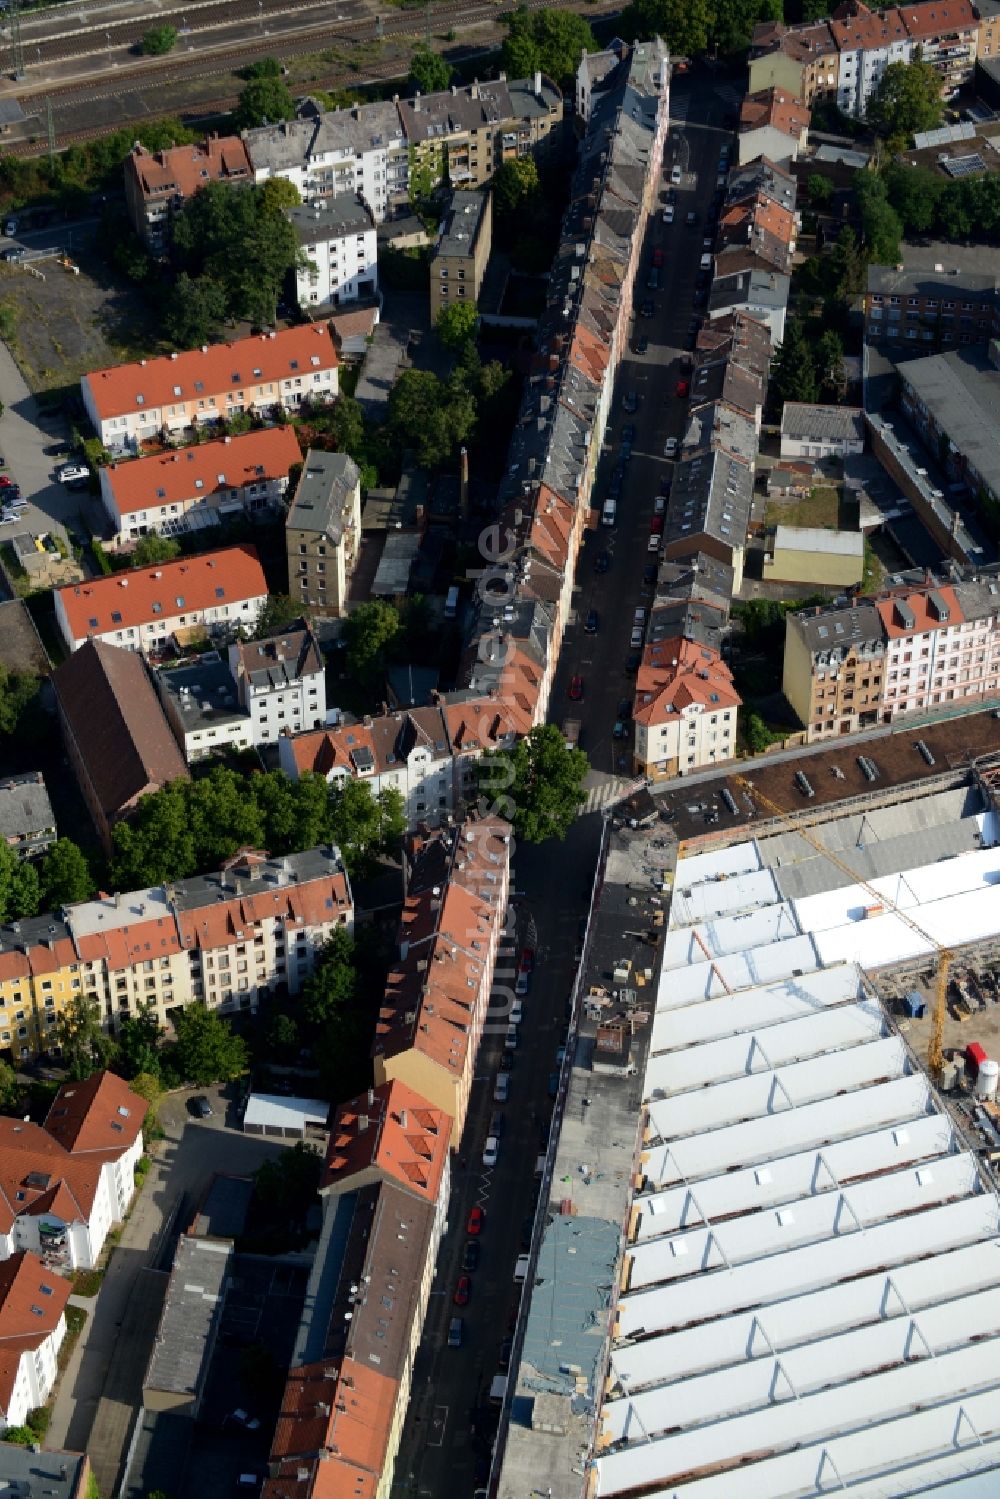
(64, 1184)
(187, 489)
(591, 76)
(760, 293)
(685, 709)
(458, 263)
(66, 1475)
(280, 683)
(406, 752)
(709, 505)
(158, 183)
(340, 251)
(361, 151)
(32, 1329)
(117, 739)
(323, 531)
(437, 996)
(953, 400)
(212, 593)
(947, 302)
(844, 59)
(203, 708)
(921, 646)
(773, 123)
(731, 363)
(136, 403)
(479, 127)
(385, 1192)
(27, 822)
(812, 431)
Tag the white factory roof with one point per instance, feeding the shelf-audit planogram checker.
(810, 1294)
(273, 1111)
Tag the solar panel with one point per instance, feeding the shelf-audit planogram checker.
(965, 166)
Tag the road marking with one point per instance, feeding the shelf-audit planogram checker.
(439, 1421)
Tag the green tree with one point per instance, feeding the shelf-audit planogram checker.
(329, 990)
(150, 551)
(549, 41)
(285, 1188)
(65, 875)
(368, 632)
(236, 237)
(915, 193)
(10, 1088)
(158, 41)
(84, 1044)
(195, 307)
(734, 21)
(264, 101)
(435, 417)
(829, 365)
(881, 229)
(793, 369)
(278, 612)
(515, 182)
(277, 194)
(455, 325)
(147, 1085)
(282, 1035)
(429, 73)
(20, 890)
(757, 735)
(907, 99)
(295, 814)
(685, 27)
(847, 264)
(538, 784)
(820, 190)
(138, 1043)
(346, 424)
(264, 67)
(207, 1049)
(18, 689)
(364, 826)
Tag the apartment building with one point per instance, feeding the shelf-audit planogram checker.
(339, 249)
(809, 430)
(323, 531)
(953, 401)
(158, 183)
(945, 298)
(685, 710)
(64, 1184)
(151, 608)
(191, 489)
(929, 658)
(437, 995)
(358, 152)
(460, 256)
(280, 683)
(732, 360)
(203, 708)
(761, 293)
(27, 822)
(384, 1192)
(592, 76)
(479, 127)
(844, 58)
(709, 508)
(133, 404)
(32, 1329)
(834, 668)
(774, 122)
(117, 740)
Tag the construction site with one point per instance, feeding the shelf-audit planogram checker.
(782, 1106)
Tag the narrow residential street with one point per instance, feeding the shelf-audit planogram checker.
(450, 1425)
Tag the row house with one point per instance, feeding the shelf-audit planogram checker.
(774, 122)
(159, 183)
(732, 359)
(189, 489)
(685, 711)
(32, 1330)
(229, 939)
(712, 491)
(66, 1183)
(384, 1193)
(920, 647)
(437, 995)
(155, 399)
(151, 609)
(843, 59)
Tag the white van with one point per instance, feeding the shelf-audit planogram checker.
(706, 262)
(610, 512)
(521, 1268)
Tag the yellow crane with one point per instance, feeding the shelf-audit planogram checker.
(935, 1050)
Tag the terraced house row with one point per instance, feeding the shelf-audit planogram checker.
(227, 938)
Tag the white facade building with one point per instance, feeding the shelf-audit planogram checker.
(338, 240)
(360, 151)
(281, 684)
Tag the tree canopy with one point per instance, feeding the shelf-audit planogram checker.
(455, 325)
(264, 101)
(20, 889)
(537, 785)
(514, 182)
(85, 1045)
(368, 632)
(138, 1044)
(207, 1050)
(433, 416)
(328, 992)
(235, 238)
(151, 550)
(429, 72)
(685, 27)
(793, 369)
(907, 99)
(158, 41)
(881, 227)
(549, 41)
(65, 875)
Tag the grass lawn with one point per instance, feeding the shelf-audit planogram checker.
(820, 507)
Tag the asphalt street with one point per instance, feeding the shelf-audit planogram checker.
(450, 1425)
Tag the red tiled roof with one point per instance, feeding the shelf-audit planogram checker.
(345, 1413)
(187, 586)
(262, 359)
(676, 674)
(777, 107)
(937, 17)
(32, 1301)
(314, 903)
(195, 473)
(185, 169)
(920, 604)
(390, 1131)
(101, 1113)
(855, 27)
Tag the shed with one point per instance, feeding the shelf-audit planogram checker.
(285, 1118)
(809, 554)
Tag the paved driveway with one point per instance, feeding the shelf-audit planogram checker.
(24, 435)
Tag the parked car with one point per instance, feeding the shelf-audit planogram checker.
(649, 574)
(668, 214)
(576, 685)
(658, 256)
(632, 663)
(602, 562)
(476, 1218)
(631, 401)
(202, 1109)
(619, 731)
(463, 1290)
(641, 344)
(456, 1329)
(656, 525)
(506, 1064)
(670, 448)
(553, 1087)
(67, 472)
(659, 505)
(691, 220)
(497, 1125)
(592, 621)
(243, 1418)
(681, 389)
(676, 174)
(10, 228)
(527, 963)
(491, 1151)
(646, 310)
(654, 543)
(628, 432)
(470, 1255)
(501, 1088)
(517, 1012)
(635, 639)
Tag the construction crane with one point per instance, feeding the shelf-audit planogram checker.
(935, 1050)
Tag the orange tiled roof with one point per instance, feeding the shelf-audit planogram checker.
(777, 107)
(207, 581)
(101, 1113)
(677, 674)
(32, 1301)
(344, 1412)
(195, 473)
(920, 604)
(185, 169)
(479, 724)
(390, 1131)
(261, 360)
(855, 27)
(314, 903)
(935, 17)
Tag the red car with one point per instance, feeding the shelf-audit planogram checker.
(576, 689)
(463, 1290)
(6, 482)
(656, 527)
(474, 1225)
(658, 256)
(527, 959)
(681, 388)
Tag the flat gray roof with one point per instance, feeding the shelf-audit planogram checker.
(25, 1472)
(193, 1302)
(322, 492)
(961, 390)
(24, 806)
(323, 219)
(462, 224)
(202, 694)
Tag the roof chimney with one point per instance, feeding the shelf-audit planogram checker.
(362, 1123)
(403, 1121)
